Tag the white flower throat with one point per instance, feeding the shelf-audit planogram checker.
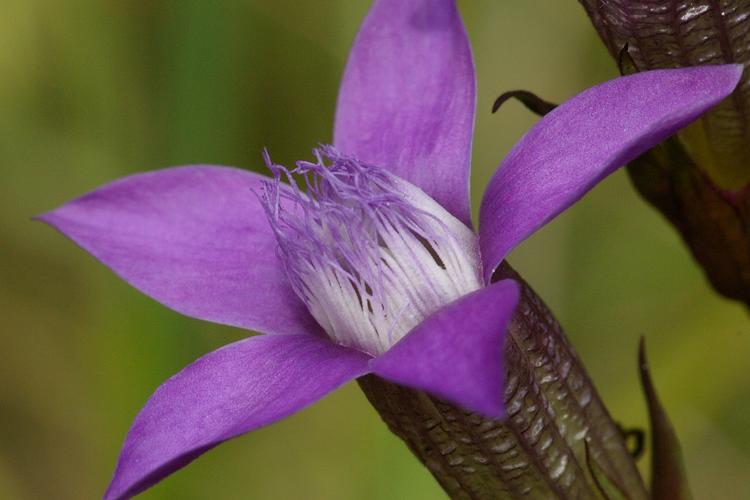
(370, 254)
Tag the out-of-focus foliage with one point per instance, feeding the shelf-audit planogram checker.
(92, 90)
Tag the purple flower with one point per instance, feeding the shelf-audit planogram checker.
(374, 268)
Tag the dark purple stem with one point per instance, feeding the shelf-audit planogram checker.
(554, 418)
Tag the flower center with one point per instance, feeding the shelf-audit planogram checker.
(370, 254)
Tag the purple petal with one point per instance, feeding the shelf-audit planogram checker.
(231, 391)
(194, 238)
(407, 98)
(586, 139)
(457, 353)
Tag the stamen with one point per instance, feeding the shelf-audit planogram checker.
(370, 254)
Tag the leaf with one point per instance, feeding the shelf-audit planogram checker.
(533, 103)
(668, 478)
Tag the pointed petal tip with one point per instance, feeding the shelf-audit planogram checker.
(51, 218)
(493, 411)
(720, 80)
(457, 353)
(735, 70)
(194, 238)
(590, 136)
(234, 390)
(40, 217)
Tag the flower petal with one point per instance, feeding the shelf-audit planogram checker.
(457, 353)
(584, 140)
(408, 97)
(194, 238)
(231, 391)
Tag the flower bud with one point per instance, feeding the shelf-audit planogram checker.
(699, 179)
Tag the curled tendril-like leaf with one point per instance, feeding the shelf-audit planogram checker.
(533, 103)
(635, 440)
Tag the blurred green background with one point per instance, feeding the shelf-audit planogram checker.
(91, 90)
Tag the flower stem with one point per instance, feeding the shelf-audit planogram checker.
(557, 441)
